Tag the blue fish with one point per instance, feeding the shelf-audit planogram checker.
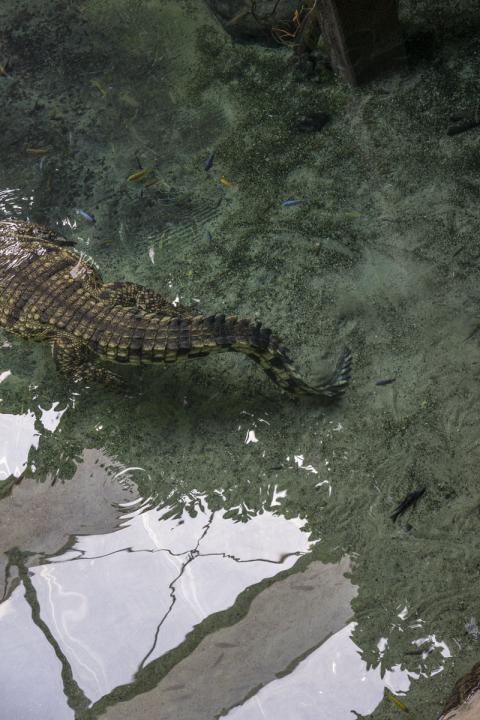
(209, 161)
(387, 381)
(291, 202)
(86, 215)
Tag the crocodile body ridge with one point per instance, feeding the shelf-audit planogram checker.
(50, 292)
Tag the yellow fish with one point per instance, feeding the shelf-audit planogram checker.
(37, 151)
(136, 176)
(396, 701)
(98, 85)
(226, 183)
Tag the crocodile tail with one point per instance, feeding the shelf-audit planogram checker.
(259, 344)
(278, 366)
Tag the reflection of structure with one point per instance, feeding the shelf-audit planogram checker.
(328, 683)
(39, 520)
(109, 605)
(152, 616)
(285, 622)
(147, 615)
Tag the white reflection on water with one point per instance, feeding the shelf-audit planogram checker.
(50, 419)
(30, 685)
(17, 437)
(115, 602)
(250, 437)
(332, 683)
(13, 201)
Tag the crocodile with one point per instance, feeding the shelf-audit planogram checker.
(50, 292)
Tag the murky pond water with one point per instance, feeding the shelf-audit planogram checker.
(200, 545)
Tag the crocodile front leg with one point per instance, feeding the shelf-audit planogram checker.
(130, 294)
(75, 360)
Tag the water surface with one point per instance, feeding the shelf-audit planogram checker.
(201, 546)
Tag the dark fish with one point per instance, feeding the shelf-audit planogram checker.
(209, 161)
(466, 124)
(387, 381)
(418, 651)
(209, 236)
(410, 499)
(313, 122)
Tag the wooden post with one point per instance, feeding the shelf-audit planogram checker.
(364, 37)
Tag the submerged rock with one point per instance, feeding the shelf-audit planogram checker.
(464, 702)
(251, 21)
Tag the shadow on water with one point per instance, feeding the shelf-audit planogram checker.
(202, 546)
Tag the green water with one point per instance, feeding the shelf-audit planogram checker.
(203, 546)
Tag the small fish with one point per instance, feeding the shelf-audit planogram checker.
(418, 651)
(396, 701)
(410, 499)
(36, 151)
(209, 236)
(4, 68)
(387, 381)
(136, 176)
(291, 201)
(226, 183)
(98, 85)
(85, 215)
(209, 161)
